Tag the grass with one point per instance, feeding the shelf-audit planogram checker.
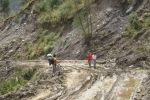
(19, 77)
(134, 25)
(57, 11)
(137, 22)
(44, 41)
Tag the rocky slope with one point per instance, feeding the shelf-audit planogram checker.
(126, 56)
(110, 19)
(109, 22)
(16, 31)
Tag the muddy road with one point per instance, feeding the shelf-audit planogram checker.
(79, 82)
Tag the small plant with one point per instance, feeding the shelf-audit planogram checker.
(27, 75)
(134, 25)
(137, 23)
(19, 77)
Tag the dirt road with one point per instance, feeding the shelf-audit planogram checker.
(78, 82)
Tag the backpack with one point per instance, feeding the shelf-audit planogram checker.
(52, 60)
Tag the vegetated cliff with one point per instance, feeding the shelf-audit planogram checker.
(113, 33)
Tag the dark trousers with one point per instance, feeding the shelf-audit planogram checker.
(89, 62)
(94, 62)
(49, 61)
(54, 68)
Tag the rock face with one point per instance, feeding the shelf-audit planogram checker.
(131, 59)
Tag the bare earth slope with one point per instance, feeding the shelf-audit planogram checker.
(17, 31)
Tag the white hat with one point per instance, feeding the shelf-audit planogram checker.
(49, 55)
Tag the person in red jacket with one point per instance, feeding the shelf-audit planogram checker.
(89, 58)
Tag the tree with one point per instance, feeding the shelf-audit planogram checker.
(84, 20)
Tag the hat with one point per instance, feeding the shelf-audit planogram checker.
(49, 55)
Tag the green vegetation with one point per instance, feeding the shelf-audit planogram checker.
(52, 13)
(9, 12)
(146, 20)
(137, 23)
(83, 22)
(44, 41)
(56, 11)
(4, 9)
(25, 1)
(19, 77)
(4, 6)
(134, 25)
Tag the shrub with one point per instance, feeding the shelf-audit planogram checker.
(41, 6)
(134, 25)
(53, 11)
(137, 23)
(27, 75)
(67, 9)
(84, 22)
(42, 44)
(19, 77)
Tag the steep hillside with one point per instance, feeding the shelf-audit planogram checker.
(16, 31)
(109, 22)
(118, 31)
(114, 34)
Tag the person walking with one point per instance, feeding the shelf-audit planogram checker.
(89, 58)
(54, 63)
(94, 60)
